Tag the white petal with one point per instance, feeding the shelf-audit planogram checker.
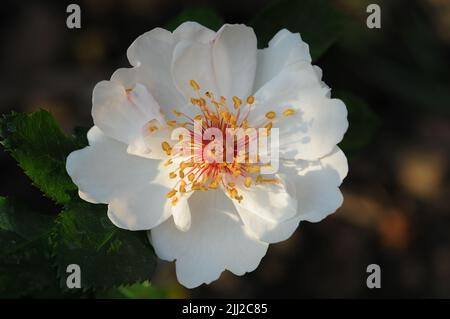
(121, 114)
(193, 61)
(319, 74)
(317, 184)
(319, 122)
(284, 49)
(150, 46)
(182, 214)
(104, 168)
(270, 201)
(193, 31)
(217, 240)
(151, 56)
(336, 160)
(267, 230)
(298, 80)
(317, 127)
(140, 209)
(132, 186)
(149, 143)
(234, 56)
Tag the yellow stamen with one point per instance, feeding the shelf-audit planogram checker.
(166, 148)
(167, 163)
(182, 186)
(194, 85)
(271, 115)
(233, 192)
(288, 112)
(172, 175)
(201, 102)
(172, 123)
(253, 169)
(248, 181)
(152, 128)
(171, 193)
(261, 180)
(251, 99)
(268, 126)
(236, 102)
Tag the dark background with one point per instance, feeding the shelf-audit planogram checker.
(396, 211)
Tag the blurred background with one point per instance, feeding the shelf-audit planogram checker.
(395, 80)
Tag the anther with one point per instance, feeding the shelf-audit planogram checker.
(166, 148)
(194, 85)
(171, 193)
(236, 102)
(271, 115)
(248, 181)
(152, 128)
(288, 112)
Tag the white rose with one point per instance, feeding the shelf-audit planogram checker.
(209, 216)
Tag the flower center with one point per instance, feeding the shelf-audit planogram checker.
(209, 162)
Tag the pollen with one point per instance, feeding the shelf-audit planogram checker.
(152, 128)
(289, 112)
(171, 193)
(271, 115)
(177, 113)
(168, 162)
(182, 186)
(251, 100)
(248, 181)
(172, 123)
(268, 126)
(233, 192)
(237, 102)
(194, 85)
(166, 148)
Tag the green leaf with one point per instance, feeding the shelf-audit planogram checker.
(316, 21)
(108, 256)
(363, 123)
(205, 16)
(41, 148)
(25, 264)
(142, 290)
(14, 217)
